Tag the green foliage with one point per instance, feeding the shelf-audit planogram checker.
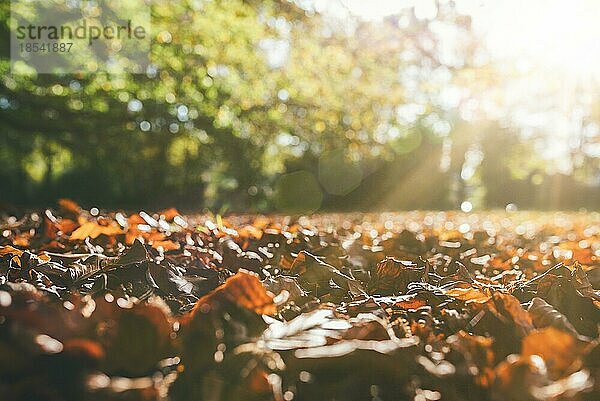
(239, 97)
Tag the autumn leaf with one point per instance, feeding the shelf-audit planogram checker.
(392, 276)
(508, 306)
(543, 315)
(560, 350)
(257, 303)
(69, 206)
(93, 230)
(243, 289)
(515, 377)
(169, 214)
(469, 295)
(9, 250)
(166, 245)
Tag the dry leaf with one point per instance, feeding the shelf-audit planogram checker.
(508, 306)
(243, 289)
(543, 315)
(560, 350)
(469, 295)
(392, 276)
(93, 230)
(69, 206)
(9, 250)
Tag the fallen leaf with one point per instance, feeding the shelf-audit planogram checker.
(469, 295)
(508, 306)
(166, 245)
(9, 250)
(93, 230)
(169, 214)
(243, 289)
(69, 206)
(391, 276)
(543, 315)
(560, 350)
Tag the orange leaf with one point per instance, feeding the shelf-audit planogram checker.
(559, 349)
(169, 214)
(69, 205)
(469, 295)
(9, 250)
(250, 232)
(414, 303)
(94, 230)
(510, 307)
(165, 245)
(243, 289)
(135, 219)
(67, 226)
(21, 240)
(84, 231)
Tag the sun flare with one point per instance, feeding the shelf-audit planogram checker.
(562, 36)
(557, 35)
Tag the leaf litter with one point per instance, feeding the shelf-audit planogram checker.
(416, 305)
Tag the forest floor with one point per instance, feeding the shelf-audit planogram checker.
(99, 305)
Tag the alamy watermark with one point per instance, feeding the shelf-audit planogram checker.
(72, 36)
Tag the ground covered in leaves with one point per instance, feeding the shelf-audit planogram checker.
(417, 306)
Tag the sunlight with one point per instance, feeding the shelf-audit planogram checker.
(303, 105)
(553, 35)
(547, 35)
(547, 56)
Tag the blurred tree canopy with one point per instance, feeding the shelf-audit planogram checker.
(270, 105)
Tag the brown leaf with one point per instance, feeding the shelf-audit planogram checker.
(67, 226)
(478, 353)
(9, 250)
(560, 350)
(509, 307)
(469, 294)
(243, 289)
(93, 230)
(166, 245)
(392, 276)
(582, 283)
(169, 214)
(515, 377)
(138, 337)
(543, 315)
(323, 334)
(314, 271)
(69, 206)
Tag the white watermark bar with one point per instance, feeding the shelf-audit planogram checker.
(80, 36)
